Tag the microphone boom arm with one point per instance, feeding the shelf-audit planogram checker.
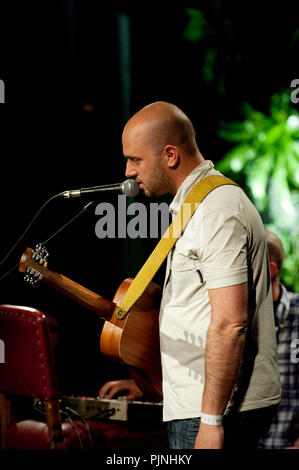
(128, 188)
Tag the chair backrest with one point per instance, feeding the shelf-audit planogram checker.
(28, 367)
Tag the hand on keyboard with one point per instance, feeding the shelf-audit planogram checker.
(110, 389)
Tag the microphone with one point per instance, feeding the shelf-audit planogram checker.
(129, 188)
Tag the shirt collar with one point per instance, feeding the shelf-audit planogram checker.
(195, 176)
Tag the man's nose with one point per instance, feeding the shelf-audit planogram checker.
(130, 171)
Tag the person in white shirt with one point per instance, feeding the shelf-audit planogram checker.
(221, 382)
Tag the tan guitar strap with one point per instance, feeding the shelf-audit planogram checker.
(172, 234)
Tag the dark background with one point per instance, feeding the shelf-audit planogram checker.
(62, 64)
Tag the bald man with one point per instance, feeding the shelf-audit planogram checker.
(217, 334)
(284, 430)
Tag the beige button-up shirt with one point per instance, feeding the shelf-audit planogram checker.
(222, 245)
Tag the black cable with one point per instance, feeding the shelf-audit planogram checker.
(9, 271)
(69, 222)
(50, 238)
(105, 413)
(38, 407)
(84, 422)
(28, 227)
(74, 427)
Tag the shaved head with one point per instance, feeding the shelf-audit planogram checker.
(160, 147)
(275, 248)
(162, 124)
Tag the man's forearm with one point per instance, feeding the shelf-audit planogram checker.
(224, 351)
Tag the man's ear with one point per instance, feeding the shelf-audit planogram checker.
(273, 269)
(172, 156)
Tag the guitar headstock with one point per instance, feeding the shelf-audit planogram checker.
(34, 264)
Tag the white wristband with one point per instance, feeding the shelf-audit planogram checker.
(211, 419)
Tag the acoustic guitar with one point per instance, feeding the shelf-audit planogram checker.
(133, 340)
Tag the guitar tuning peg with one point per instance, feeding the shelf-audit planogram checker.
(36, 278)
(45, 256)
(37, 251)
(40, 255)
(38, 248)
(28, 279)
(36, 255)
(32, 280)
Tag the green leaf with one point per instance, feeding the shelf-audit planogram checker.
(197, 26)
(237, 132)
(280, 201)
(257, 177)
(292, 164)
(257, 117)
(274, 134)
(280, 105)
(209, 66)
(235, 160)
(265, 159)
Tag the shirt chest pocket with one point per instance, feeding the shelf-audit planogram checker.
(186, 281)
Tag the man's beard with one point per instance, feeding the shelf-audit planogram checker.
(157, 183)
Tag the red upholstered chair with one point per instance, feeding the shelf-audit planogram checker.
(28, 370)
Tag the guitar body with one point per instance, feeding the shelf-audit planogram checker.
(134, 340)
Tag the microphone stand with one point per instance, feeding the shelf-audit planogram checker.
(83, 210)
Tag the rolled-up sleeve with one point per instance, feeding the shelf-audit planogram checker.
(224, 248)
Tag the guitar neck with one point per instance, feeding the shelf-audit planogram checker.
(90, 300)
